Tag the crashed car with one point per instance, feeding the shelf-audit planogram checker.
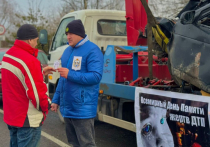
(186, 42)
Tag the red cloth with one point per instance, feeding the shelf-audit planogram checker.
(25, 102)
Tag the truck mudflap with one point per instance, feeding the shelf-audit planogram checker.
(171, 119)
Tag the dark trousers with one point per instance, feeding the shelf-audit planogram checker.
(80, 132)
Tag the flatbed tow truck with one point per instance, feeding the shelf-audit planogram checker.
(166, 93)
(158, 85)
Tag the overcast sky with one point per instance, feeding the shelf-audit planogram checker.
(45, 4)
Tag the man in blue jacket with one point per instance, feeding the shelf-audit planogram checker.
(78, 87)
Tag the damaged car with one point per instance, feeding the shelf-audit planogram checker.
(186, 43)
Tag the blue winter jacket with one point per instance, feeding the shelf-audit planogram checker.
(78, 94)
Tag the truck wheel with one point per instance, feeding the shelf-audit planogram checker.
(60, 116)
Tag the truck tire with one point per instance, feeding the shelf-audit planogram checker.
(60, 116)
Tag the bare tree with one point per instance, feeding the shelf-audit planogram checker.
(74, 5)
(97, 4)
(7, 14)
(34, 16)
(85, 4)
(114, 5)
(54, 18)
(166, 8)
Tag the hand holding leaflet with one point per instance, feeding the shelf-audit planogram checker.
(56, 64)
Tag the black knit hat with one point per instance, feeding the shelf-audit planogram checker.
(76, 27)
(26, 32)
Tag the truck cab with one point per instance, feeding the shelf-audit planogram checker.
(103, 27)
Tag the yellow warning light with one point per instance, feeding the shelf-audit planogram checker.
(101, 91)
(50, 77)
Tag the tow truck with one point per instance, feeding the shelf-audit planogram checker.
(180, 65)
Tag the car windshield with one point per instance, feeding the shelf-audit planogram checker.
(1, 55)
(42, 57)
